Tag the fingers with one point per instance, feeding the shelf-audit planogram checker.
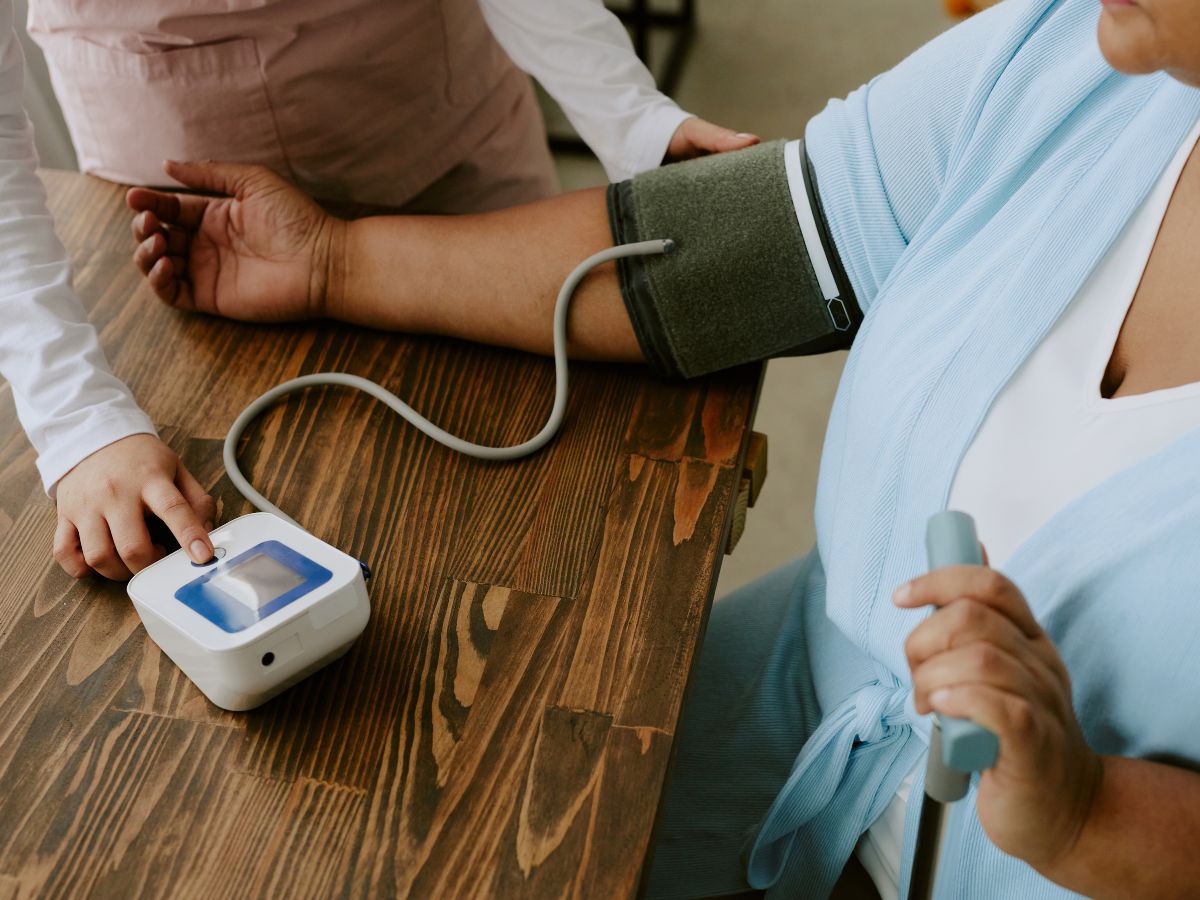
(165, 206)
(115, 545)
(67, 552)
(739, 140)
(217, 177)
(965, 622)
(987, 586)
(696, 137)
(960, 623)
(715, 139)
(170, 209)
(99, 552)
(165, 285)
(149, 252)
(198, 498)
(130, 537)
(166, 274)
(161, 255)
(983, 663)
(1013, 719)
(145, 225)
(167, 502)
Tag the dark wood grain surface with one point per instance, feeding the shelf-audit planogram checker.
(504, 725)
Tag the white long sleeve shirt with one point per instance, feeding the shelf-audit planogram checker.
(581, 54)
(68, 400)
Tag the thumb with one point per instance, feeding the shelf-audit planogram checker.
(214, 177)
(705, 137)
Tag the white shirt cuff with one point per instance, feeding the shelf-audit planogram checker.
(647, 141)
(94, 435)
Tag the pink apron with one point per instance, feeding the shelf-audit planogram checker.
(358, 102)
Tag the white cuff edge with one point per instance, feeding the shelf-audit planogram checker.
(92, 436)
(805, 216)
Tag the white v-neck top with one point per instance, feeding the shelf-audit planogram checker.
(1050, 437)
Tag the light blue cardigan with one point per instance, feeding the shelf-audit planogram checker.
(970, 192)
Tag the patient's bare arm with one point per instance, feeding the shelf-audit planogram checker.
(491, 278)
(265, 252)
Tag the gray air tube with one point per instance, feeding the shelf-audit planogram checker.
(535, 443)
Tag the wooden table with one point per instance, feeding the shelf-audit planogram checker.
(503, 727)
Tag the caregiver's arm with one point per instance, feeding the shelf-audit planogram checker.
(98, 455)
(1101, 826)
(581, 54)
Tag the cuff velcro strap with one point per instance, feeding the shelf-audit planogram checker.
(741, 285)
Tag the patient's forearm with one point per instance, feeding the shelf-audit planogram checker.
(1143, 836)
(491, 278)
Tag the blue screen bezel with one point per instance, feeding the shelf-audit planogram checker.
(232, 616)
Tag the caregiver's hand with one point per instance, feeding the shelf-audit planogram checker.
(696, 137)
(103, 503)
(259, 254)
(982, 656)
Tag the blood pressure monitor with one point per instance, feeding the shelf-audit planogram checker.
(274, 605)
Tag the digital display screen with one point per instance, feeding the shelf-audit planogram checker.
(257, 581)
(253, 585)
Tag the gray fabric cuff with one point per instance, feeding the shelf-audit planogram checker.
(739, 286)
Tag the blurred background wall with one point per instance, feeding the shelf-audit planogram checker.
(763, 66)
(50, 130)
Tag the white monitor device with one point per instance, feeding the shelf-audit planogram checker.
(274, 605)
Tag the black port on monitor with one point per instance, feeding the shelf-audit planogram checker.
(268, 658)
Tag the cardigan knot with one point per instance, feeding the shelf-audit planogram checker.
(871, 714)
(877, 709)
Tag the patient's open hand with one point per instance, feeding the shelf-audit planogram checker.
(260, 254)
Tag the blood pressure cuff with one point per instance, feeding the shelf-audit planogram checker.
(743, 283)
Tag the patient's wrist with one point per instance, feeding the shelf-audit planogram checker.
(1140, 836)
(330, 269)
(371, 277)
